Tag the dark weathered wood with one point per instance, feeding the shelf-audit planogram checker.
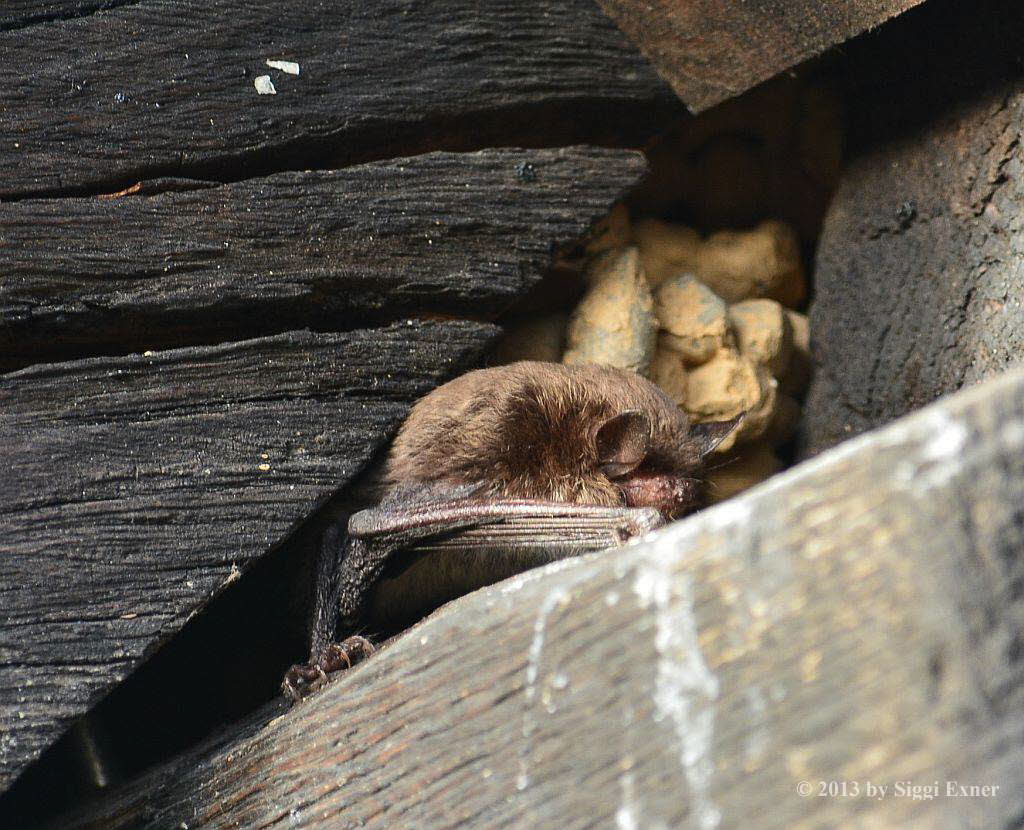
(166, 87)
(135, 488)
(918, 284)
(461, 234)
(17, 14)
(855, 620)
(710, 51)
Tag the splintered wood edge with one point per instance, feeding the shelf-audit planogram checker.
(850, 620)
(460, 234)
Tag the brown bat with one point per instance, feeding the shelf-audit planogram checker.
(493, 473)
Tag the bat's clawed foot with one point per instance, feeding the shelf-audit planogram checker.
(347, 653)
(303, 679)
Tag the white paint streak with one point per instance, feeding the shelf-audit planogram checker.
(559, 596)
(685, 689)
(758, 737)
(626, 815)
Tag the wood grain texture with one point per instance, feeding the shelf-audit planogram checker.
(166, 87)
(463, 234)
(138, 487)
(857, 618)
(918, 282)
(710, 51)
(17, 14)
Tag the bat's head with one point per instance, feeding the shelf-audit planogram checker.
(579, 434)
(656, 459)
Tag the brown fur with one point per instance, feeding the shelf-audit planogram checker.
(529, 430)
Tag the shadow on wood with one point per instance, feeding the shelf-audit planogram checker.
(146, 484)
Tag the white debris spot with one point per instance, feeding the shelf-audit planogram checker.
(288, 67)
(685, 689)
(264, 86)
(559, 596)
(611, 598)
(758, 738)
(939, 458)
(949, 437)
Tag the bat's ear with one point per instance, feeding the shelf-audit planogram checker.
(622, 443)
(709, 435)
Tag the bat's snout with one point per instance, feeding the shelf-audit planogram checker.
(673, 496)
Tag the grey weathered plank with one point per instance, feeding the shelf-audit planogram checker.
(856, 619)
(165, 87)
(918, 282)
(135, 488)
(462, 234)
(711, 51)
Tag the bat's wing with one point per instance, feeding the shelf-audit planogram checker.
(439, 552)
(553, 530)
(510, 535)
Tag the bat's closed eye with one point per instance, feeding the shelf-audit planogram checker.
(616, 470)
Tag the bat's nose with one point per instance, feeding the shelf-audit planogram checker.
(674, 496)
(686, 497)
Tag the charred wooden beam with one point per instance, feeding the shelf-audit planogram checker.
(458, 234)
(918, 282)
(153, 89)
(138, 487)
(855, 620)
(712, 51)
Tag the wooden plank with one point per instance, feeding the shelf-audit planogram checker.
(917, 280)
(460, 234)
(166, 87)
(138, 487)
(857, 619)
(710, 51)
(17, 14)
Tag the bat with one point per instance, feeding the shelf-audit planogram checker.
(497, 471)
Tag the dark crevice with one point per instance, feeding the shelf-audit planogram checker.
(210, 677)
(594, 121)
(21, 346)
(64, 11)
